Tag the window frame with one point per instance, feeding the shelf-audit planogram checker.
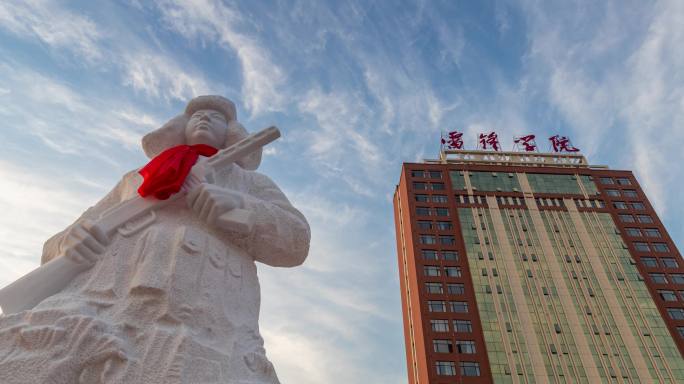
(442, 346)
(436, 325)
(429, 285)
(459, 288)
(459, 304)
(465, 347)
(678, 311)
(656, 278)
(633, 232)
(649, 262)
(469, 368)
(457, 323)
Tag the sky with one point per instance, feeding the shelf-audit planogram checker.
(357, 88)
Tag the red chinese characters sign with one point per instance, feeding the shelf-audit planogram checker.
(490, 142)
(562, 144)
(453, 140)
(527, 142)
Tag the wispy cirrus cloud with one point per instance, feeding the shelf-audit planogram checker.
(56, 27)
(160, 78)
(616, 91)
(213, 21)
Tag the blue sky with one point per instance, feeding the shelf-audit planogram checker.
(357, 87)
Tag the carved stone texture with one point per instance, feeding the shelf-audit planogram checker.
(173, 296)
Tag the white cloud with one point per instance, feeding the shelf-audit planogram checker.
(66, 121)
(53, 26)
(620, 85)
(36, 205)
(160, 77)
(212, 20)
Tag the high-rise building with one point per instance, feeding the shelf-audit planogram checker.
(535, 268)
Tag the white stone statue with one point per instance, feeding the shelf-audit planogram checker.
(172, 296)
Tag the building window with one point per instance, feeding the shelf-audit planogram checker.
(652, 232)
(418, 173)
(633, 232)
(465, 346)
(447, 240)
(442, 346)
(436, 306)
(638, 206)
(434, 288)
(658, 278)
(440, 325)
(669, 262)
(680, 330)
(442, 211)
(649, 262)
(641, 247)
(437, 186)
(469, 368)
(630, 193)
(424, 224)
(620, 205)
(624, 218)
(431, 270)
(660, 247)
(450, 255)
(463, 326)
(444, 225)
(445, 368)
(644, 219)
(677, 278)
(429, 254)
(676, 313)
(612, 192)
(427, 239)
(681, 295)
(439, 199)
(459, 306)
(623, 181)
(422, 198)
(420, 186)
(607, 181)
(455, 289)
(422, 211)
(452, 271)
(667, 295)
(435, 174)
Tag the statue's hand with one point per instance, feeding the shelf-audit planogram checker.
(82, 243)
(209, 202)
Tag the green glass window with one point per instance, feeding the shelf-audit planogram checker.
(494, 181)
(550, 183)
(457, 180)
(589, 185)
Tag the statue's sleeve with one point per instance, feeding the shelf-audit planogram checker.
(52, 245)
(281, 234)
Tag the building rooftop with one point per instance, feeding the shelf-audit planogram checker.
(528, 159)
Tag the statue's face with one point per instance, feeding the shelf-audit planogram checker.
(206, 126)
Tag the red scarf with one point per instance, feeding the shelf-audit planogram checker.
(164, 175)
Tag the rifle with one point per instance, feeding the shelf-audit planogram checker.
(53, 276)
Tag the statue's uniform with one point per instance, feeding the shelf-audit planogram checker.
(172, 299)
